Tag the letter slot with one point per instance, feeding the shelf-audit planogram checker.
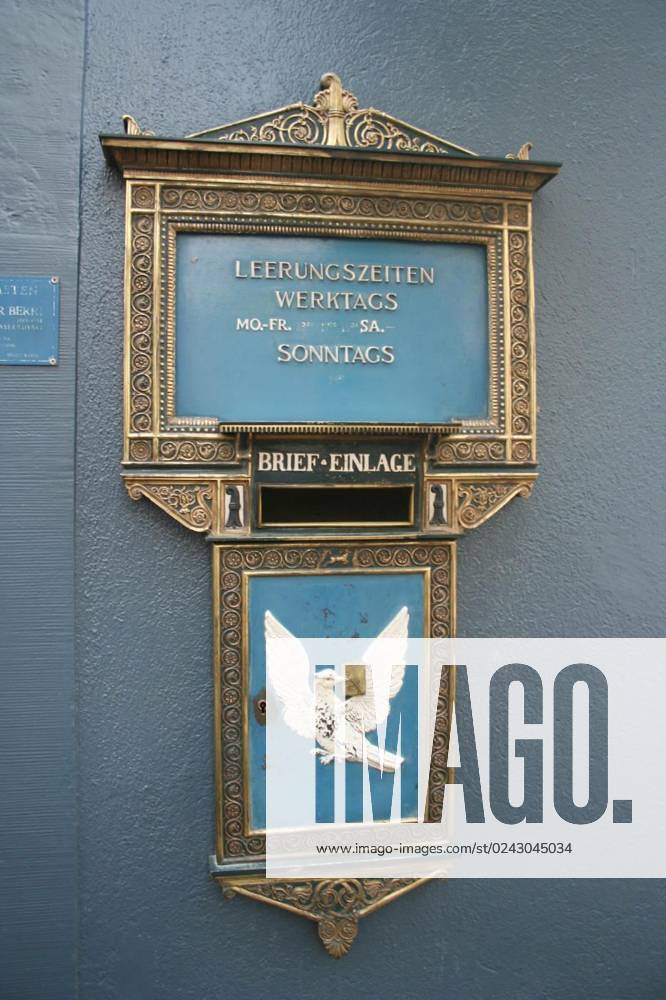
(307, 506)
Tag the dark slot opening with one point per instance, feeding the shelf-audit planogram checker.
(295, 505)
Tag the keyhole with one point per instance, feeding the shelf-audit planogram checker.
(259, 706)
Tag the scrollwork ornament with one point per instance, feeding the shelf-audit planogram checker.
(479, 500)
(191, 504)
(475, 501)
(197, 450)
(210, 199)
(333, 119)
(370, 129)
(520, 361)
(141, 323)
(300, 125)
(470, 451)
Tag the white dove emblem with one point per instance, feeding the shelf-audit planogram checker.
(312, 714)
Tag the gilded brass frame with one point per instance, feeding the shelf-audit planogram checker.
(283, 225)
(232, 566)
(160, 205)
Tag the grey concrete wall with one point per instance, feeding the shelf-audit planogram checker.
(585, 556)
(41, 66)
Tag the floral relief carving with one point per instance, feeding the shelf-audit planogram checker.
(479, 500)
(192, 504)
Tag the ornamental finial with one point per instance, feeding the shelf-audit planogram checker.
(333, 119)
(333, 103)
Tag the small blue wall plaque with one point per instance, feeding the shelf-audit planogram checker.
(29, 320)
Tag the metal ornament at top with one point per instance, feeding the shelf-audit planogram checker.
(333, 119)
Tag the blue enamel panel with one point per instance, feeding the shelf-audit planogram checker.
(249, 350)
(337, 606)
(29, 320)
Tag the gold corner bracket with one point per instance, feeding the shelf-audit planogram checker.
(464, 501)
(204, 503)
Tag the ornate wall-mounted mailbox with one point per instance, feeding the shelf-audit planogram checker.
(329, 373)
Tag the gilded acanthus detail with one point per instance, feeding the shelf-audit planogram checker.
(192, 504)
(335, 905)
(132, 127)
(476, 500)
(333, 119)
(522, 154)
(197, 501)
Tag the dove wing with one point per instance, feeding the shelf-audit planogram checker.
(385, 671)
(288, 667)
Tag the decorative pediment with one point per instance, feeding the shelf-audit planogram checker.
(333, 119)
